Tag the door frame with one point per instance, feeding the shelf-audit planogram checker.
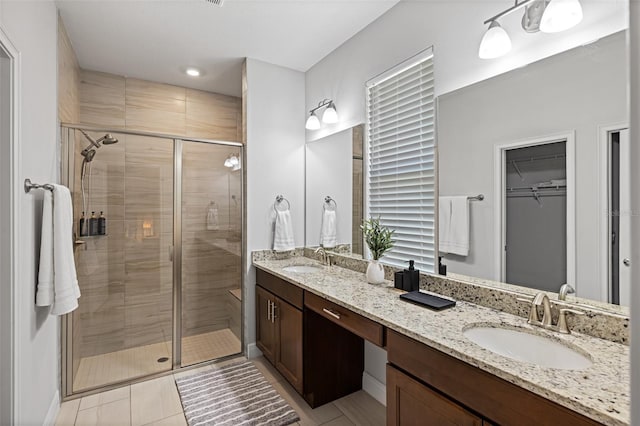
(604, 224)
(499, 178)
(10, 243)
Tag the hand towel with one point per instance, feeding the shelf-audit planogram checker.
(212, 217)
(57, 279)
(328, 232)
(283, 233)
(453, 226)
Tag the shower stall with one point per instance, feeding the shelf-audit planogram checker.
(158, 250)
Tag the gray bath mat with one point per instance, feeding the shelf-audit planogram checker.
(237, 394)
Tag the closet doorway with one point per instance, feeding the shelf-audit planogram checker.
(537, 213)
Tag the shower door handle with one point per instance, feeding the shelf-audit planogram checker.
(170, 253)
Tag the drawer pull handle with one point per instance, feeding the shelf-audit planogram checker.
(330, 312)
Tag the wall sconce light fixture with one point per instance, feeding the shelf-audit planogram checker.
(330, 115)
(548, 16)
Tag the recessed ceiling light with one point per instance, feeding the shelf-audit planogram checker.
(193, 72)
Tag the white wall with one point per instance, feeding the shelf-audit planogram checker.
(32, 27)
(275, 116)
(329, 170)
(579, 90)
(634, 39)
(454, 28)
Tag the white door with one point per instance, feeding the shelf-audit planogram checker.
(625, 220)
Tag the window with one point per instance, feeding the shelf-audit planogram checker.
(401, 159)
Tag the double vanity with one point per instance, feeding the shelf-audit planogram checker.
(476, 363)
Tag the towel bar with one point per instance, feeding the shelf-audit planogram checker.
(328, 200)
(279, 200)
(28, 186)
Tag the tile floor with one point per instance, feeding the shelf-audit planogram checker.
(122, 365)
(156, 402)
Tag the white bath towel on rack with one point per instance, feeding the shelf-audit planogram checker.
(283, 233)
(453, 225)
(328, 232)
(57, 279)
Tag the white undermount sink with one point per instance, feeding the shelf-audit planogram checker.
(527, 347)
(302, 269)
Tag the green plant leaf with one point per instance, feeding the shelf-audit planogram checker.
(378, 237)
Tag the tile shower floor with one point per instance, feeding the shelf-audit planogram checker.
(156, 402)
(122, 365)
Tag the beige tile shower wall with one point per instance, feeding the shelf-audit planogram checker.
(211, 251)
(126, 276)
(68, 78)
(113, 101)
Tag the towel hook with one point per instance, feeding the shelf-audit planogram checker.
(279, 200)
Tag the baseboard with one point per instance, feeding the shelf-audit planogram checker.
(253, 351)
(375, 388)
(54, 408)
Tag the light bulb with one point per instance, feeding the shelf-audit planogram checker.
(193, 72)
(227, 162)
(560, 15)
(495, 42)
(330, 114)
(234, 161)
(312, 122)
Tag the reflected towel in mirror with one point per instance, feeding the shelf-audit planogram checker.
(453, 225)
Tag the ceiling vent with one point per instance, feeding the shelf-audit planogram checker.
(216, 2)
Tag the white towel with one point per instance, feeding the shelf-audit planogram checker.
(453, 227)
(212, 217)
(328, 232)
(57, 279)
(283, 234)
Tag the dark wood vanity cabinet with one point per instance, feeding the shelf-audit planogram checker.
(279, 326)
(423, 383)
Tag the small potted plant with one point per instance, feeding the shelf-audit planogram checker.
(378, 240)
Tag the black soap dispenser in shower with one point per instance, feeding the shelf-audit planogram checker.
(411, 278)
(83, 226)
(102, 224)
(93, 224)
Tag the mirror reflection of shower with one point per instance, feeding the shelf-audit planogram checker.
(85, 174)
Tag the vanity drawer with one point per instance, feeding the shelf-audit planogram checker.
(281, 288)
(347, 319)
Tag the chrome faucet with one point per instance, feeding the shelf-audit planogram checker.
(564, 290)
(325, 257)
(541, 299)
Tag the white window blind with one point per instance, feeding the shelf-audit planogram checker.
(401, 159)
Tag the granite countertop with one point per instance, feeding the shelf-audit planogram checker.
(600, 392)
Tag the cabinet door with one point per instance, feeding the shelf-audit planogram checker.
(265, 325)
(289, 338)
(409, 403)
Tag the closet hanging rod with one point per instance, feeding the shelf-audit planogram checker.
(538, 158)
(28, 186)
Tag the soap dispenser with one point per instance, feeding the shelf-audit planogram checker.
(411, 278)
(93, 224)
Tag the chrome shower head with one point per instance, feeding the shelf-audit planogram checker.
(108, 139)
(88, 154)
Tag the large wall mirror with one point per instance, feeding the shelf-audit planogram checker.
(545, 145)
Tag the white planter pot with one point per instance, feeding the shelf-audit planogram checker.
(375, 272)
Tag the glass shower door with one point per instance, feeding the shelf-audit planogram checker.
(211, 209)
(122, 328)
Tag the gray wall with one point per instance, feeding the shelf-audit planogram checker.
(579, 90)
